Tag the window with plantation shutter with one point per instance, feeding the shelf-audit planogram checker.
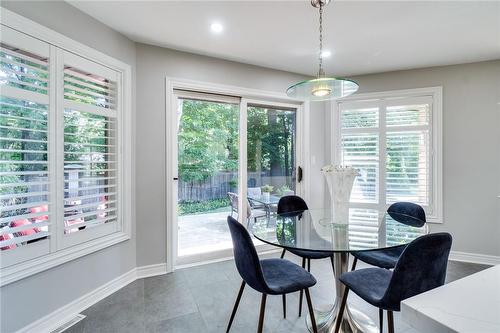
(26, 213)
(65, 147)
(90, 149)
(394, 142)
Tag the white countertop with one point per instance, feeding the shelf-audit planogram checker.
(471, 304)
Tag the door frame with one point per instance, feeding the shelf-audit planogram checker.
(248, 96)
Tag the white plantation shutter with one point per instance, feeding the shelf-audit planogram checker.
(363, 227)
(90, 150)
(65, 158)
(26, 212)
(390, 141)
(360, 148)
(407, 151)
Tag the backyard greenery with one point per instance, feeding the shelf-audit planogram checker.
(208, 138)
(195, 207)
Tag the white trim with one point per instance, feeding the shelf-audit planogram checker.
(475, 258)
(242, 160)
(67, 312)
(151, 270)
(170, 173)
(25, 26)
(436, 122)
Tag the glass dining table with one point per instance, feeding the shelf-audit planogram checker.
(315, 230)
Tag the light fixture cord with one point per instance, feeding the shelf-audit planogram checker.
(320, 72)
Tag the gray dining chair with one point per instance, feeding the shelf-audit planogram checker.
(421, 267)
(267, 276)
(403, 212)
(293, 204)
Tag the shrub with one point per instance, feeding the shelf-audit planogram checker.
(196, 207)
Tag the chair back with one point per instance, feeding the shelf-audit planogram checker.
(233, 200)
(421, 267)
(408, 213)
(291, 203)
(254, 192)
(245, 256)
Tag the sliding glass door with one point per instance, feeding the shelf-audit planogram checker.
(207, 168)
(209, 183)
(271, 157)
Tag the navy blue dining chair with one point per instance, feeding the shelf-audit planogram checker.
(403, 212)
(292, 204)
(267, 276)
(421, 267)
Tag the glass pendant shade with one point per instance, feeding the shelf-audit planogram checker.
(322, 89)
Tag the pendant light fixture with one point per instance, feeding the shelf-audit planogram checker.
(322, 88)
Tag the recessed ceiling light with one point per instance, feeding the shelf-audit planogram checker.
(216, 27)
(326, 54)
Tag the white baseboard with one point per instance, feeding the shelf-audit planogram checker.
(151, 270)
(62, 315)
(474, 258)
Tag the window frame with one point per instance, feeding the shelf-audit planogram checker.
(125, 178)
(435, 214)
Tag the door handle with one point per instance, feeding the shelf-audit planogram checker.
(299, 174)
(176, 178)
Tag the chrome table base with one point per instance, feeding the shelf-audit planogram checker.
(353, 321)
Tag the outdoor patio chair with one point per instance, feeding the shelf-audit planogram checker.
(251, 213)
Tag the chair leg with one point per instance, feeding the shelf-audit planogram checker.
(381, 319)
(390, 321)
(311, 311)
(262, 311)
(355, 261)
(302, 291)
(236, 306)
(283, 254)
(284, 306)
(338, 321)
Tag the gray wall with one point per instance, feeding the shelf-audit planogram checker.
(471, 147)
(153, 65)
(27, 300)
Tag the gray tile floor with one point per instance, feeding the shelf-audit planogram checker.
(200, 299)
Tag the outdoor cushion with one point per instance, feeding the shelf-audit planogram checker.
(26, 232)
(4, 238)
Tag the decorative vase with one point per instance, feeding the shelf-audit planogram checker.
(340, 180)
(266, 195)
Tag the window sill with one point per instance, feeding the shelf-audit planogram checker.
(36, 265)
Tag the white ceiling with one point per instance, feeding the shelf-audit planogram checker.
(364, 36)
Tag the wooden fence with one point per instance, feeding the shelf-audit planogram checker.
(217, 186)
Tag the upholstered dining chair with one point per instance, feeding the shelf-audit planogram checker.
(421, 267)
(292, 204)
(403, 212)
(267, 276)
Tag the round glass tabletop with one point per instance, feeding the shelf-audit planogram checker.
(314, 230)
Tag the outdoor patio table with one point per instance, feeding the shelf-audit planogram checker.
(314, 230)
(267, 202)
